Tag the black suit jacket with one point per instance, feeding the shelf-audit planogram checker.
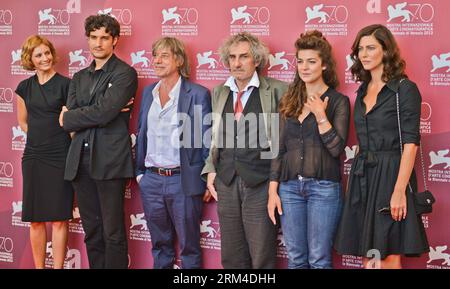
(96, 116)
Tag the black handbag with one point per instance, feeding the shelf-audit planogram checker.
(423, 201)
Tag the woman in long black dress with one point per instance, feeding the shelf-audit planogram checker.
(379, 218)
(46, 196)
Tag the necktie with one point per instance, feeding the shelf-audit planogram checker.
(238, 106)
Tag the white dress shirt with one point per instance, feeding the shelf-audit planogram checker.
(163, 142)
(231, 83)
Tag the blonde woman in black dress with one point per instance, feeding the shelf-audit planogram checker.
(46, 196)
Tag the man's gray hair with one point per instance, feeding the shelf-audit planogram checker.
(258, 49)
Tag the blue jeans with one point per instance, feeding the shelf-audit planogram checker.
(171, 215)
(311, 212)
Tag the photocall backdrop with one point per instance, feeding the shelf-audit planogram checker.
(420, 27)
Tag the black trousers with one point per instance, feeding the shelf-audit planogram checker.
(101, 204)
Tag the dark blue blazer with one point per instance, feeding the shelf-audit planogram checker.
(192, 158)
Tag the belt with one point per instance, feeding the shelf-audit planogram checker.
(363, 161)
(165, 172)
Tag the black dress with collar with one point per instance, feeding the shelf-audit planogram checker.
(374, 173)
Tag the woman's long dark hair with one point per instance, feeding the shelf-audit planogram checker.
(393, 65)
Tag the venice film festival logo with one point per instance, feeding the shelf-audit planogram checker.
(141, 60)
(406, 18)
(348, 74)
(330, 19)
(252, 19)
(209, 235)
(16, 215)
(6, 249)
(78, 59)
(349, 155)
(282, 66)
(439, 258)
(54, 22)
(352, 261)
(138, 228)
(179, 21)
(75, 225)
(6, 174)
(441, 157)
(209, 66)
(16, 67)
(439, 169)
(6, 18)
(6, 99)
(425, 118)
(440, 72)
(123, 15)
(71, 261)
(128, 189)
(19, 138)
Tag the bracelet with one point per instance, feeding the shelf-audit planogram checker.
(323, 120)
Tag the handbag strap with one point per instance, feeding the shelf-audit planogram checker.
(401, 142)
